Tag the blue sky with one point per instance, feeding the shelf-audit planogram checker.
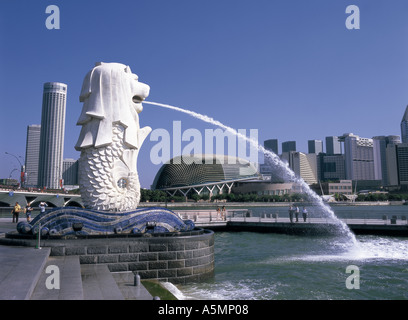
(290, 69)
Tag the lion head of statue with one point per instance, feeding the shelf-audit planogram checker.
(110, 93)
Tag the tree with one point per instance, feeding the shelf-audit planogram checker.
(195, 197)
(230, 197)
(295, 197)
(144, 195)
(286, 197)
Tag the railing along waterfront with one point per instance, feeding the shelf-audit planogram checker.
(201, 217)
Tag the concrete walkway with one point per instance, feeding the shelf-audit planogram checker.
(21, 268)
(70, 286)
(99, 284)
(23, 276)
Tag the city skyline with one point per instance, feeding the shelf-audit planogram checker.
(291, 70)
(367, 150)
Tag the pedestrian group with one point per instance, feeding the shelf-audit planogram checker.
(27, 210)
(294, 210)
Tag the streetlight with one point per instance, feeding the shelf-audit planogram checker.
(9, 178)
(11, 172)
(21, 166)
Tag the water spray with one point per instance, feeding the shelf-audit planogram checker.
(273, 157)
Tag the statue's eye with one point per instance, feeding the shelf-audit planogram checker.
(137, 99)
(122, 183)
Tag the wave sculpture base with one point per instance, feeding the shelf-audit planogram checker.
(77, 221)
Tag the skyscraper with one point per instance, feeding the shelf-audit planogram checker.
(402, 154)
(32, 154)
(331, 167)
(288, 146)
(359, 157)
(315, 146)
(397, 164)
(380, 156)
(70, 172)
(404, 127)
(307, 167)
(268, 169)
(333, 145)
(52, 135)
(271, 145)
(303, 165)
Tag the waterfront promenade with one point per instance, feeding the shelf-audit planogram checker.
(241, 220)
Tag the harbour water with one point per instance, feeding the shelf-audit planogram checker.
(260, 266)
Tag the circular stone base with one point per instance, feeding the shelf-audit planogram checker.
(178, 257)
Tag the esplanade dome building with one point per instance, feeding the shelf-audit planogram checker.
(207, 173)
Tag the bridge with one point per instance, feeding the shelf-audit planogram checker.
(9, 197)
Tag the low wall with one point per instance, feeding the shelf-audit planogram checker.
(178, 258)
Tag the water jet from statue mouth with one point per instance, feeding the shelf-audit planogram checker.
(137, 99)
(277, 162)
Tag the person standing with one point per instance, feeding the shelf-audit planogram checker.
(223, 213)
(297, 213)
(42, 207)
(291, 214)
(28, 210)
(304, 212)
(16, 211)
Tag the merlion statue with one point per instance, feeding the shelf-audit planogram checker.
(109, 142)
(110, 137)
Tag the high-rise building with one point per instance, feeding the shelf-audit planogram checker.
(397, 164)
(380, 144)
(52, 135)
(305, 166)
(333, 145)
(271, 145)
(402, 156)
(359, 157)
(288, 146)
(32, 154)
(315, 146)
(268, 169)
(331, 167)
(404, 127)
(70, 172)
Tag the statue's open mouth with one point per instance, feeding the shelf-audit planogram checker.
(137, 99)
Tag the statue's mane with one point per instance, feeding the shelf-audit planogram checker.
(107, 98)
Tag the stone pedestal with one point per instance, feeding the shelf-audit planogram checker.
(178, 257)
